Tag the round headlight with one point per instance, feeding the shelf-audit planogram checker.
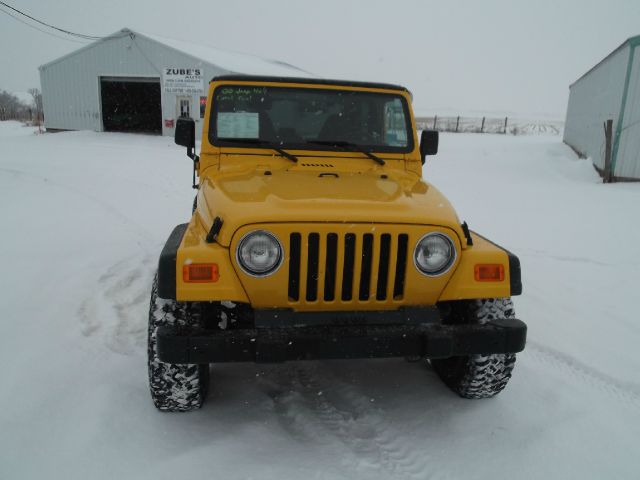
(434, 254)
(259, 253)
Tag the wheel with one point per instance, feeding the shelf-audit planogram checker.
(174, 387)
(476, 376)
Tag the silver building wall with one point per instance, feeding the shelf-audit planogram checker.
(71, 84)
(627, 156)
(593, 99)
(610, 90)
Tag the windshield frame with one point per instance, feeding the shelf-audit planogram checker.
(222, 143)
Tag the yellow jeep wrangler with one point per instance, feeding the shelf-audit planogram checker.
(314, 236)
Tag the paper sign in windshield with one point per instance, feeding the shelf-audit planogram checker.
(238, 125)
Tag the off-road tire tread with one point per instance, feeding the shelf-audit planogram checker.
(480, 376)
(174, 387)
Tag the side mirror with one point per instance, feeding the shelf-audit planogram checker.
(428, 143)
(186, 134)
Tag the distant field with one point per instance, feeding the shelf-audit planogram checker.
(514, 126)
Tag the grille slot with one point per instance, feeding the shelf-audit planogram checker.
(329, 267)
(383, 267)
(347, 271)
(294, 267)
(401, 267)
(365, 272)
(312, 267)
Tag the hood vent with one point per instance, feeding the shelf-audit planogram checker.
(321, 165)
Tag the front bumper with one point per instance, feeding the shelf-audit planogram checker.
(282, 343)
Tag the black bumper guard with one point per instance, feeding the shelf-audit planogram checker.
(279, 344)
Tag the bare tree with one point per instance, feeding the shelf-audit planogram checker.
(37, 102)
(11, 108)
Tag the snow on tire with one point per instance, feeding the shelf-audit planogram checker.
(477, 376)
(174, 387)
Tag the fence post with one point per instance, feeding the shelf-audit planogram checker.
(457, 123)
(505, 125)
(608, 131)
(482, 127)
(435, 121)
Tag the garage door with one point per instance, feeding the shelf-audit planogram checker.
(131, 104)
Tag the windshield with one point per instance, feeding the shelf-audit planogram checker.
(309, 119)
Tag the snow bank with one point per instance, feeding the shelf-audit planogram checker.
(84, 218)
(12, 128)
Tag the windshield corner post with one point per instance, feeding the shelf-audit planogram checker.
(196, 160)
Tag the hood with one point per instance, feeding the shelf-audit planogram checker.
(297, 195)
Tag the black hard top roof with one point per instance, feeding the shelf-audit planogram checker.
(312, 81)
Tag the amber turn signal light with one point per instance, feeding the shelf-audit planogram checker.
(200, 273)
(489, 273)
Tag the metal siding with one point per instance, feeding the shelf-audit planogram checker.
(628, 158)
(161, 56)
(71, 86)
(593, 99)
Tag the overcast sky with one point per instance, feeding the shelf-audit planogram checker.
(513, 57)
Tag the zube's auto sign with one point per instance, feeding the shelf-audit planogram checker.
(182, 80)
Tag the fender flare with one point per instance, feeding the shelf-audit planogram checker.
(515, 274)
(167, 263)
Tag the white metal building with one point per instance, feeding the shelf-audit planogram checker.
(136, 82)
(610, 90)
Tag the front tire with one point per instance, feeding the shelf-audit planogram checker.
(476, 376)
(174, 387)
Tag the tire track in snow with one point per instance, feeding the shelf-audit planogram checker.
(625, 391)
(562, 258)
(116, 307)
(144, 236)
(314, 408)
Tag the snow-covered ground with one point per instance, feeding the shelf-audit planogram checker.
(84, 216)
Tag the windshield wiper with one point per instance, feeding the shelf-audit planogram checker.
(354, 146)
(263, 143)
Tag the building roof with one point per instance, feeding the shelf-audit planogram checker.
(231, 61)
(631, 41)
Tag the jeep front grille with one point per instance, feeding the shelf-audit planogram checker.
(347, 267)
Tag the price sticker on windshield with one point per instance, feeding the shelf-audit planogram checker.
(238, 125)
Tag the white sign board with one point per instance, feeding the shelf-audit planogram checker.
(182, 80)
(238, 125)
